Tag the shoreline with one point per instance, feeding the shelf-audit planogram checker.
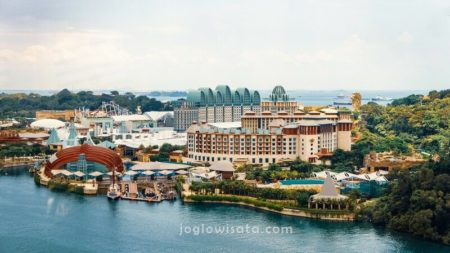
(285, 211)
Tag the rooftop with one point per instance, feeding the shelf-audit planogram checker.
(157, 115)
(48, 124)
(225, 125)
(132, 117)
(223, 165)
(159, 166)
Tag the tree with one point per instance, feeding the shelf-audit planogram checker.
(415, 202)
(303, 198)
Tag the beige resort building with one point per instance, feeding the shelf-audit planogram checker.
(306, 137)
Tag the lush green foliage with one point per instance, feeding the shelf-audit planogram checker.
(240, 188)
(347, 160)
(25, 105)
(417, 202)
(20, 149)
(58, 185)
(407, 123)
(237, 199)
(168, 93)
(303, 198)
(297, 169)
(164, 152)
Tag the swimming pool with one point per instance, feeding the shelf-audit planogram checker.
(301, 182)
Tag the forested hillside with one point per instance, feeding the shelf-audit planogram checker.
(25, 105)
(416, 201)
(420, 122)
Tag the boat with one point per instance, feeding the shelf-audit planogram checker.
(342, 100)
(341, 103)
(341, 96)
(379, 98)
(114, 190)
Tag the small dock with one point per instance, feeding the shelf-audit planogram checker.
(143, 190)
(142, 199)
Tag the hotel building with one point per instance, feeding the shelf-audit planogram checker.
(271, 137)
(219, 105)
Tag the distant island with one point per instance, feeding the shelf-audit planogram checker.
(167, 94)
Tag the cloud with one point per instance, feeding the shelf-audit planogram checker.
(74, 59)
(72, 48)
(405, 37)
(179, 45)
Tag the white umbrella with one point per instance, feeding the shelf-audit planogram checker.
(181, 172)
(79, 174)
(56, 172)
(95, 174)
(131, 173)
(117, 173)
(66, 173)
(165, 172)
(148, 173)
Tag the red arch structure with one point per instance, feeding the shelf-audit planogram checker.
(96, 154)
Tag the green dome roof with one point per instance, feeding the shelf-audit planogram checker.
(223, 95)
(279, 94)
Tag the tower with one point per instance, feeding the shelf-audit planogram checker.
(344, 134)
(356, 101)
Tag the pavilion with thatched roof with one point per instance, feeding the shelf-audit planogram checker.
(328, 197)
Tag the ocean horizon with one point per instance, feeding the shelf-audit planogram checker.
(306, 97)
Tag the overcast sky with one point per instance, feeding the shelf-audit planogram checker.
(177, 45)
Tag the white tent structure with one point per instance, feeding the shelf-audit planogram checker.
(148, 173)
(117, 173)
(166, 172)
(62, 172)
(79, 174)
(345, 176)
(131, 173)
(56, 172)
(159, 115)
(140, 166)
(199, 174)
(47, 124)
(324, 174)
(66, 173)
(373, 176)
(95, 174)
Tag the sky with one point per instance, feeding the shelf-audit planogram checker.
(180, 45)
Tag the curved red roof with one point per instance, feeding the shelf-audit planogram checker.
(96, 154)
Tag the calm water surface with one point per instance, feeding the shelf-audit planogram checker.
(34, 219)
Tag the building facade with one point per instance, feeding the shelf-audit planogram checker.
(219, 105)
(306, 139)
(184, 116)
(264, 120)
(279, 101)
(64, 115)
